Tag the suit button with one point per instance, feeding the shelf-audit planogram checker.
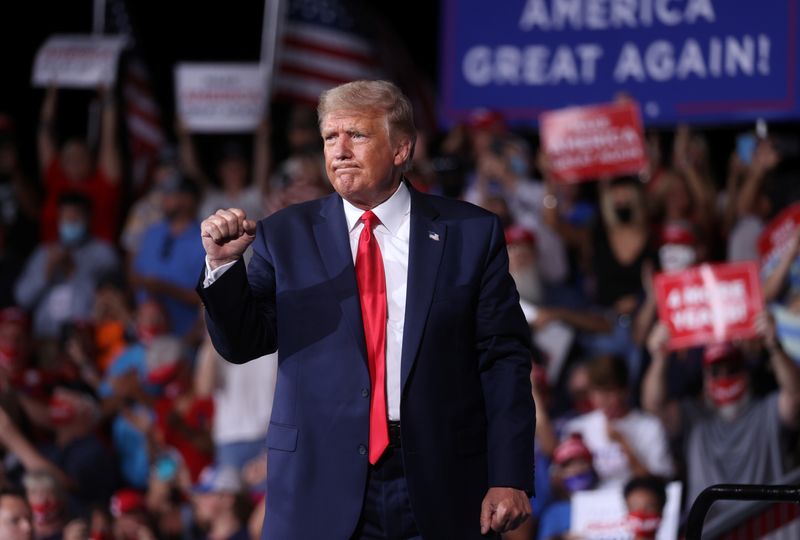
(365, 392)
(362, 449)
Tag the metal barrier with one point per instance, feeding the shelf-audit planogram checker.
(735, 492)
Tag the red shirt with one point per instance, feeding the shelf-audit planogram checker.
(104, 194)
(198, 417)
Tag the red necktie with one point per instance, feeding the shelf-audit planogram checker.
(372, 292)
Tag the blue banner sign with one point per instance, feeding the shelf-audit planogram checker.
(695, 61)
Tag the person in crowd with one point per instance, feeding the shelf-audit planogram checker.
(731, 434)
(11, 264)
(48, 504)
(645, 498)
(220, 507)
(242, 397)
(60, 278)
(752, 202)
(71, 168)
(572, 471)
(16, 519)
(238, 185)
(471, 362)
(624, 442)
(19, 200)
(164, 267)
(622, 252)
(301, 179)
(77, 457)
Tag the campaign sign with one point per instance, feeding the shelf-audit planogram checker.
(600, 141)
(709, 303)
(778, 234)
(600, 515)
(220, 98)
(76, 61)
(693, 61)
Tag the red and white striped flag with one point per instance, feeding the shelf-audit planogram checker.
(321, 48)
(140, 109)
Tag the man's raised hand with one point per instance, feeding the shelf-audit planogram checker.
(226, 235)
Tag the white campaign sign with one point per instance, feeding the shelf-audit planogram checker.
(220, 98)
(600, 514)
(78, 61)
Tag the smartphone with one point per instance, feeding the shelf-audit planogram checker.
(745, 146)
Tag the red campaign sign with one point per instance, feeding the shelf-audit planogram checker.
(709, 303)
(589, 143)
(776, 237)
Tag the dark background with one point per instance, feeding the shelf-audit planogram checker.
(167, 31)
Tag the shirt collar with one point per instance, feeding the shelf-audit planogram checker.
(390, 212)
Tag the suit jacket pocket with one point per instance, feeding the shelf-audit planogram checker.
(282, 437)
(471, 440)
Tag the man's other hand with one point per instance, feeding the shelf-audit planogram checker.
(226, 235)
(504, 509)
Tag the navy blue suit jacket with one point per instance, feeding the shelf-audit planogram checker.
(467, 416)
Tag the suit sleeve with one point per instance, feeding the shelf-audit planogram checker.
(504, 353)
(240, 306)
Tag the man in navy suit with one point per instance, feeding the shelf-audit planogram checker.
(420, 426)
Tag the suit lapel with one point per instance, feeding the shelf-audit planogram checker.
(425, 247)
(333, 242)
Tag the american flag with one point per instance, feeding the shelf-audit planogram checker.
(139, 106)
(321, 48)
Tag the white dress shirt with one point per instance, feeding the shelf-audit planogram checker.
(392, 234)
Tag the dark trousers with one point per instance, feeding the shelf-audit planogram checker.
(386, 514)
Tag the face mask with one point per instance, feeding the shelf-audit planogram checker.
(643, 524)
(624, 213)
(676, 257)
(45, 512)
(580, 482)
(727, 390)
(71, 233)
(61, 411)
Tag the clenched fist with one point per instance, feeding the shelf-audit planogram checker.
(226, 235)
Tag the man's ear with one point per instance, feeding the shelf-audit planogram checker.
(403, 152)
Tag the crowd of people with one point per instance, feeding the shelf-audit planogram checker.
(119, 420)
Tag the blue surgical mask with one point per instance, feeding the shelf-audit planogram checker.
(580, 482)
(71, 233)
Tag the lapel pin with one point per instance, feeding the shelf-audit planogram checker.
(433, 236)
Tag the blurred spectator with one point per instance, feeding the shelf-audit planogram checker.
(624, 442)
(240, 184)
(645, 498)
(60, 277)
(572, 471)
(131, 521)
(752, 203)
(48, 504)
(149, 209)
(219, 504)
(73, 169)
(165, 267)
(299, 179)
(781, 275)
(16, 522)
(731, 435)
(19, 202)
(242, 403)
(167, 487)
(76, 457)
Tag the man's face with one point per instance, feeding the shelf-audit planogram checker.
(16, 522)
(361, 160)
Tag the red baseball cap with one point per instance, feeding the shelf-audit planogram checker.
(519, 235)
(573, 447)
(126, 501)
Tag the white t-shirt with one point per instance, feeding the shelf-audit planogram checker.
(644, 433)
(243, 399)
